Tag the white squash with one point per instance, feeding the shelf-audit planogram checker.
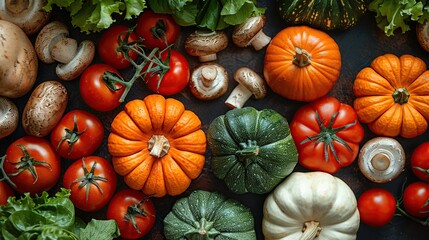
(310, 205)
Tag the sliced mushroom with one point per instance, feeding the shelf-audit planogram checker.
(381, 159)
(208, 81)
(27, 14)
(422, 31)
(9, 117)
(53, 44)
(250, 33)
(249, 83)
(205, 44)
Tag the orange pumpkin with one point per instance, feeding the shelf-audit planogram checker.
(302, 63)
(392, 96)
(157, 145)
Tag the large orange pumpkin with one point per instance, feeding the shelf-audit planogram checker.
(392, 96)
(157, 145)
(302, 63)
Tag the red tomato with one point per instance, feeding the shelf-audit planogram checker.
(323, 128)
(32, 165)
(416, 197)
(175, 79)
(128, 204)
(5, 192)
(157, 29)
(108, 46)
(78, 134)
(95, 91)
(92, 181)
(420, 161)
(376, 207)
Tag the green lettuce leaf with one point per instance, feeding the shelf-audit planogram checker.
(100, 229)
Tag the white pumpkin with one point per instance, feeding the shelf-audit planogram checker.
(310, 205)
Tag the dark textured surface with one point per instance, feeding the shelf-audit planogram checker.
(358, 46)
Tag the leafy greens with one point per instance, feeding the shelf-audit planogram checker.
(94, 16)
(209, 14)
(395, 14)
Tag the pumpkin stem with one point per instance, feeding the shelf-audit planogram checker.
(401, 95)
(158, 146)
(302, 58)
(310, 230)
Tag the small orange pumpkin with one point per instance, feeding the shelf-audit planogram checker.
(157, 145)
(302, 63)
(392, 96)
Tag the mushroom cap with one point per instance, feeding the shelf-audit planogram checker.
(9, 117)
(218, 82)
(243, 34)
(201, 43)
(82, 59)
(28, 15)
(422, 31)
(47, 38)
(381, 159)
(252, 81)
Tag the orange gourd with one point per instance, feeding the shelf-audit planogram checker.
(392, 96)
(302, 63)
(157, 145)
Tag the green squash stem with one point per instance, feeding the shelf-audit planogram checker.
(203, 230)
(401, 95)
(311, 230)
(301, 58)
(248, 150)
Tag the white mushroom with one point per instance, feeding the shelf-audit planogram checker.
(381, 159)
(27, 14)
(208, 81)
(249, 83)
(53, 44)
(205, 44)
(250, 33)
(9, 117)
(422, 31)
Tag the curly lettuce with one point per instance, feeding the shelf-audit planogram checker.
(399, 14)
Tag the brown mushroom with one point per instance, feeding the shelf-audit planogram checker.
(381, 159)
(208, 81)
(422, 31)
(249, 83)
(9, 117)
(53, 44)
(205, 44)
(250, 33)
(27, 14)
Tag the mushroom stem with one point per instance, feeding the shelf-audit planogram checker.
(260, 40)
(380, 162)
(310, 230)
(208, 74)
(238, 97)
(207, 58)
(64, 50)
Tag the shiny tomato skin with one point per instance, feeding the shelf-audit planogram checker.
(175, 79)
(305, 124)
(95, 92)
(108, 44)
(376, 207)
(420, 161)
(415, 196)
(148, 20)
(40, 150)
(89, 129)
(118, 207)
(5, 192)
(96, 198)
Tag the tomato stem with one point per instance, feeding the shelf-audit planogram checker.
(136, 210)
(4, 174)
(72, 136)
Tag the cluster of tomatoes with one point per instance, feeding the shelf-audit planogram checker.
(377, 206)
(92, 179)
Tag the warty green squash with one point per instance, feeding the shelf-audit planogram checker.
(251, 150)
(323, 14)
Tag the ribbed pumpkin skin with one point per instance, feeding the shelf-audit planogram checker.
(323, 14)
(302, 83)
(232, 134)
(209, 212)
(128, 143)
(374, 88)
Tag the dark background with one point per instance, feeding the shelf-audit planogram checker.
(358, 45)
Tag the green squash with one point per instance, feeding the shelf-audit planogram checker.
(252, 151)
(209, 215)
(323, 14)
